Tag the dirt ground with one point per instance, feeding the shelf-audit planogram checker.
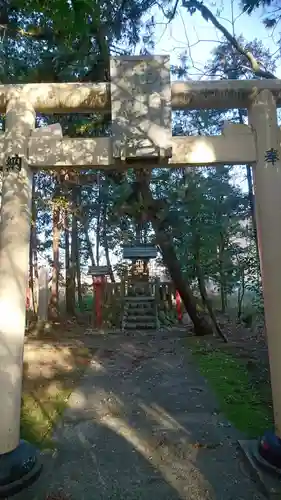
(142, 424)
(54, 362)
(53, 365)
(65, 346)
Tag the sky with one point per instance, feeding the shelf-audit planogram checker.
(194, 35)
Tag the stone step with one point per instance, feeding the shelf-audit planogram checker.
(139, 298)
(132, 331)
(140, 313)
(141, 309)
(140, 303)
(140, 319)
(131, 325)
(137, 306)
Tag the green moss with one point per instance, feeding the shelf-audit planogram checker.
(39, 417)
(42, 409)
(240, 401)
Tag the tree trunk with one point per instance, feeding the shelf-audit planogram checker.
(85, 224)
(241, 293)
(98, 223)
(77, 256)
(33, 256)
(251, 197)
(68, 291)
(35, 277)
(201, 326)
(105, 242)
(222, 275)
(138, 233)
(222, 294)
(252, 201)
(73, 253)
(145, 233)
(78, 275)
(202, 289)
(54, 300)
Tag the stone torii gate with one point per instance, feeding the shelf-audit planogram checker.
(140, 98)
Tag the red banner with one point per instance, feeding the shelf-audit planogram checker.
(178, 305)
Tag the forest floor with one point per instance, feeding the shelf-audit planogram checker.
(142, 423)
(53, 365)
(99, 391)
(238, 371)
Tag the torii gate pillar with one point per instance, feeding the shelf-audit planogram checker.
(18, 461)
(267, 184)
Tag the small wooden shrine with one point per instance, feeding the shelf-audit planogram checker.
(140, 255)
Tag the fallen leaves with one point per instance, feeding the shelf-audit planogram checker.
(206, 446)
(59, 495)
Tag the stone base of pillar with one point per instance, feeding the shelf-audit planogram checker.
(268, 478)
(19, 469)
(269, 451)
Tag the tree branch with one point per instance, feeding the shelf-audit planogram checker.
(192, 5)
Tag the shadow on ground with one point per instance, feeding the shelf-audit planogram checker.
(143, 425)
(51, 372)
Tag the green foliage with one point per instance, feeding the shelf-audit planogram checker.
(250, 5)
(204, 213)
(168, 318)
(240, 401)
(209, 216)
(111, 312)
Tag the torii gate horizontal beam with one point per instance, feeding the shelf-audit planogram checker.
(221, 94)
(235, 146)
(62, 98)
(47, 153)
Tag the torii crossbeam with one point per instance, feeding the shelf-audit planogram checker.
(140, 99)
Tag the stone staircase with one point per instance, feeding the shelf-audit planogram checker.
(140, 313)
